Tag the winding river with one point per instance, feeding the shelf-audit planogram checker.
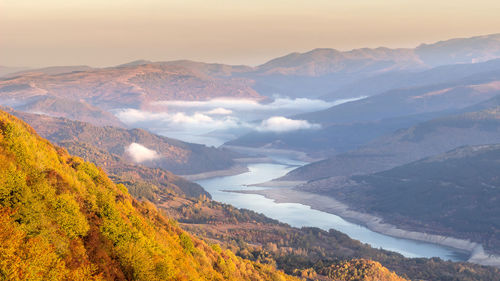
(299, 215)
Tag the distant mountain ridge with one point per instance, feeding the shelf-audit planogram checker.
(353, 124)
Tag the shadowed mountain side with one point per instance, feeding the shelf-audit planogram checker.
(350, 125)
(407, 145)
(452, 194)
(331, 139)
(381, 83)
(403, 102)
(166, 153)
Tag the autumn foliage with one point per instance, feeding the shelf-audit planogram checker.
(63, 219)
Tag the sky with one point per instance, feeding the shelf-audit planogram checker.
(35, 33)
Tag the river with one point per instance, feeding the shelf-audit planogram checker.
(299, 215)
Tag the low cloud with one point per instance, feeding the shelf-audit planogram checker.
(279, 103)
(219, 111)
(180, 120)
(140, 153)
(184, 119)
(281, 124)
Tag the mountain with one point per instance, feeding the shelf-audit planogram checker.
(453, 194)
(311, 74)
(460, 50)
(408, 101)
(333, 74)
(5, 70)
(63, 219)
(308, 251)
(380, 83)
(351, 125)
(51, 70)
(320, 62)
(70, 109)
(128, 86)
(326, 61)
(407, 145)
(331, 139)
(130, 145)
(142, 182)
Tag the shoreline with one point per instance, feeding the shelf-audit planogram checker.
(374, 223)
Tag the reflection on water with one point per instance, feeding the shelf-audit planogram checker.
(299, 215)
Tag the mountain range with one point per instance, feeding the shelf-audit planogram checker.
(406, 145)
(140, 84)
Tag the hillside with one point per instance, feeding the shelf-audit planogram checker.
(171, 154)
(409, 101)
(63, 219)
(325, 61)
(70, 109)
(406, 145)
(127, 86)
(353, 124)
(452, 194)
(333, 74)
(380, 83)
(326, 73)
(142, 182)
(306, 251)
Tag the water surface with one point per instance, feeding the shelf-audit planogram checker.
(299, 215)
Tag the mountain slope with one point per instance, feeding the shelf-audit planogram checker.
(453, 194)
(173, 155)
(63, 219)
(329, 72)
(71, 109)
(406, 145)
(409, 101)
(381, 83)
(128, 86)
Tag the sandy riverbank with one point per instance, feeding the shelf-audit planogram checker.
(330, 205)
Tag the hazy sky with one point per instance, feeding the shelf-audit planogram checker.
(110, 32)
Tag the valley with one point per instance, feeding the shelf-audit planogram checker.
(368, 164)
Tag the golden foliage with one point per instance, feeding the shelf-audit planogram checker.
(63, 219)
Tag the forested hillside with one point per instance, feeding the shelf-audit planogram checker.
(453, 194)
(63, 219)
(173, 155)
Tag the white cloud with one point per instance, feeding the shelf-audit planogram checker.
(181, 119)
(140, 153)
(219, 111)
(279, 103)
(282, 124)
(197, 121)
